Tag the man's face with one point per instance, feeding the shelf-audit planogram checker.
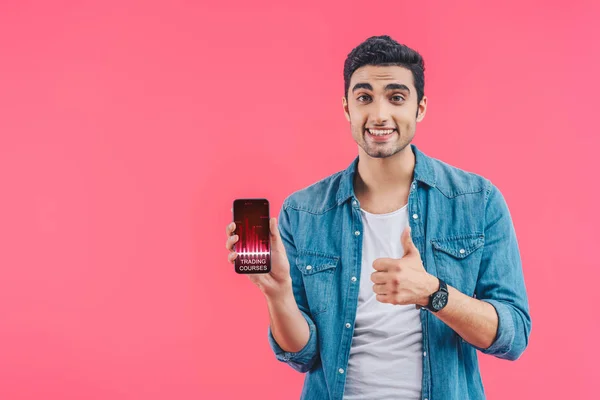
(383, 97)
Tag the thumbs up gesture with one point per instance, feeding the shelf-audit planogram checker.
(403, 280)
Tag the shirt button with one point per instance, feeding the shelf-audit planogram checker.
(357, 233)
(462, 251)
(309, 267)
(354, 202)
(353, 279)
(347, 325)
(341, 370)
(424, 354)
(415, 216)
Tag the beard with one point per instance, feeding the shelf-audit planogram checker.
(384, 149)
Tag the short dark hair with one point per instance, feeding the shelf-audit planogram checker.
(383, 50)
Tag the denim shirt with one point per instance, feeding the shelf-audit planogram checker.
(463, 230)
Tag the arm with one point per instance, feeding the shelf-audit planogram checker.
(288, 326)
(292, 333)
(474, 320)
(499, 323)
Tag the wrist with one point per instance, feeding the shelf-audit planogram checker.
(282, 294)
(432, 285)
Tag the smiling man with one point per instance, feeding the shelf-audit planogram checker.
(401, 267)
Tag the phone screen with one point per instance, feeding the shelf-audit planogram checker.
(251, 217)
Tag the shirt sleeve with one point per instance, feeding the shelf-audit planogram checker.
(304, 359)
(501, 282)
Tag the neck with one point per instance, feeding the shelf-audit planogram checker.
(384, 176)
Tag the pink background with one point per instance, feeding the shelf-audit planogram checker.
(123, 128)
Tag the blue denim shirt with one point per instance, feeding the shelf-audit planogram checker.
(463, 229)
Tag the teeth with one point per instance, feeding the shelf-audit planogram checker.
(380, 132)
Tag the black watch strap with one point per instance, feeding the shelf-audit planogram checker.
(443, 286)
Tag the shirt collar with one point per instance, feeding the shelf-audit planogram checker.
(423, 172)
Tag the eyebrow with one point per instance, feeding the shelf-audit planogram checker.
(389, 86)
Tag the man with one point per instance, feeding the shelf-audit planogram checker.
(388, 276)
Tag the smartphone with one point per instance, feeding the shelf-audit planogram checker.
(253, 248)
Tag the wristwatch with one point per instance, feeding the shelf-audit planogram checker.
(439, 298)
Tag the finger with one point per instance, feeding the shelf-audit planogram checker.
(273, 228)
(379, 277)
(383, 298)
(276, 242)
(232, 256)
(407, 243)
(381, 264)
(230, 228)
(231, 241)
(380, 289)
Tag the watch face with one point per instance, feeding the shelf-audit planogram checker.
(439, 301)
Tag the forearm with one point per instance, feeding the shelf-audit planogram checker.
(288, 326)
(474, 320)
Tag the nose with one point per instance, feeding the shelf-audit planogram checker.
(380, 114)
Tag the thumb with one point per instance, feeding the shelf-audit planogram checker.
(407, 243)
(274, 233)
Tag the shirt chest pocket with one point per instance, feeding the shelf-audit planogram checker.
(318, 272)
(457, 260)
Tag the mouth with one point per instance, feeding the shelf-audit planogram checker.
(380, 135)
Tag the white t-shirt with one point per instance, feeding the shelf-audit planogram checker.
(386, 353)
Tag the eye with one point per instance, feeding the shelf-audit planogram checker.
(364, 95)
(402, 98)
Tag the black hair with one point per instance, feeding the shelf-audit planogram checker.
(383, 50)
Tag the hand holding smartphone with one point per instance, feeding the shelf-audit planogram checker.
(256, 248)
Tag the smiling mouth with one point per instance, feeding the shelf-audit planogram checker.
(380, 135)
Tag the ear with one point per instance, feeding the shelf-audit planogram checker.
(345, 106)
(422, 109)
